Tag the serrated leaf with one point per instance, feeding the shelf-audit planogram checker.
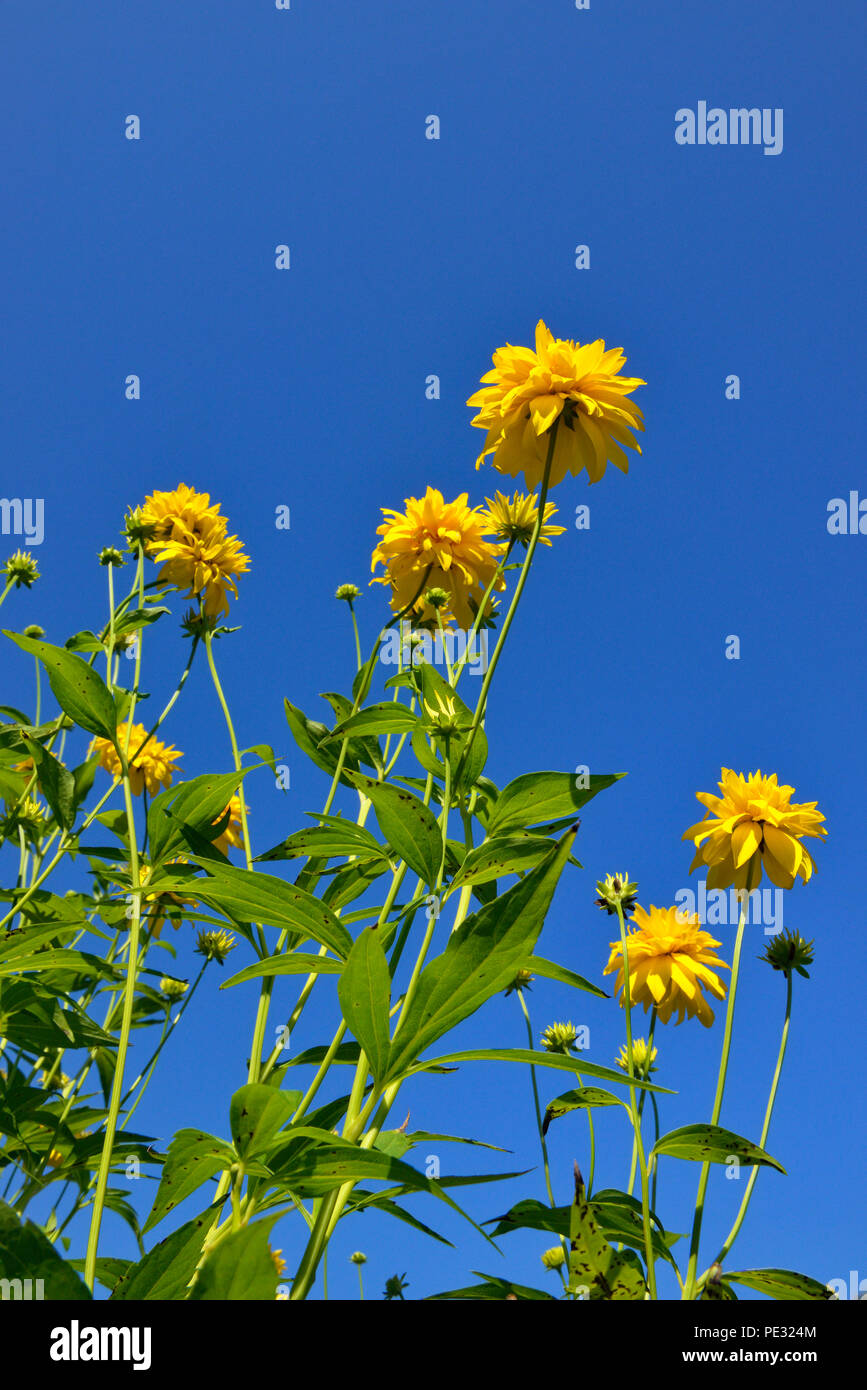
(364, 991)
(193, 1157)
(78, 688)
(407, 824)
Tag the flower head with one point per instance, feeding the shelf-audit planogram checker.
(788, 951)
(669, 964)
(110, 555)
(561, 381)
(348, 592)
(186, 534)
(553, 1258)
(513, 519)
(753, 826)
(278, 1262)
(173, 989)
(20, 569)
(151, 765)
(643, 1057)
(523, 980)
(560, 1037)
(215, 945)
(232, 836)
(358, 1258)
(394, 1287)
(614, 889)
(436, 544)
(27, 816)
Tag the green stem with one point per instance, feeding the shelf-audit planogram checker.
(633, 1106)
(739, 1219)
(123, 1044)
(689, 1290)
(513, 606)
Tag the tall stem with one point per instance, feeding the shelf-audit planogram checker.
(689, 1289)
(633, 1106)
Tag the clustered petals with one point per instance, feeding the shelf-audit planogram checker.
(671, 962)
(754, 826)
(576, 386)
(436, 544)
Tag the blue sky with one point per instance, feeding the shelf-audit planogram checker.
(306, 388)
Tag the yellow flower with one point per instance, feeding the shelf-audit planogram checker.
(188, 538)
(752, 826)
(513, 519)
(153, 767)
(643, 1059)
(278, 1262)
(181, 510)
(232, 836)
(437, 544)
(669, 960)
(562, 380)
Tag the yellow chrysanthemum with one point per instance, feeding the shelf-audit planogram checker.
(669, 964)
(437, 544)
(514, 518)
(183, 509)
(232, 836)
(753, 826)
(188, 538)
(153, 767)
(577, 385)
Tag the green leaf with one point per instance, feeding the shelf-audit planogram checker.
(582, 1098)
(544, 796)
(295, 963)
(56, 783)
(77, 961)
(309, 734)
(364, 991)
(551, 971)
(493, 1290)
(500, 855)
(782, 1284)
(79, 690)
(256, 1114)
(711, 1144)
(326, 842)
(386, 718)
(434, 688)
(193, 1157)
(595, 1265)
(165, 1272)
(480, 960)
(554, 1060)
(240, 1268)
(253, 897)
(197, 803)
(27, 1254)
(407, 824)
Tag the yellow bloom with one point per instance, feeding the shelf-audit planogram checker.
(580, 386)
(181, 510)
(752, 826)
(514, 519)
(188, 538)
(232, 836)
(643, 1057)
(669, 960)
(153, 767)
(437, 544)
